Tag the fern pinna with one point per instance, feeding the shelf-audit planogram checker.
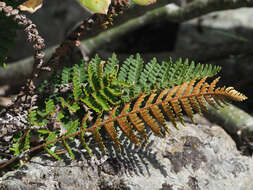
(103, 97)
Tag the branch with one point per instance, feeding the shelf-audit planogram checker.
(20, 69)
(16, 73)
(233, 119)
(170, 12)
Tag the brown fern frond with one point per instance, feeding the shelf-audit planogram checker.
(171, 103)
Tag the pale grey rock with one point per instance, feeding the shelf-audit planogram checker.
(197, 157)
(200, 156)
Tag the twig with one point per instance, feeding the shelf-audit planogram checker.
(170, 12)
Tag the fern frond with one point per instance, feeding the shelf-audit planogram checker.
(147, 110)
(98, 89)
(132, 98)
(50, 107)
(171, 102)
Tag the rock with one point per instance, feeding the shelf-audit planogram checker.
(200, 156)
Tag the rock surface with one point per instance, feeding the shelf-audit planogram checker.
(200, 156)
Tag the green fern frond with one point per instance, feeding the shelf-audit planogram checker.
(27, 140)
(32, 117)
(131, 70)
(52, 136)
(150, 110)
(71, 127)
(101, 90)
(71, 108)
(130, 98)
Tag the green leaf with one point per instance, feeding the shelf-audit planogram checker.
(50, 107)
(42, 131)
(67, 147)
(32, 117)
(91, 103)
(60, 116)
(72, 127)
(96, 6)
(144, 2)
(16, 149)
(77, 92)
(52, 153)
(66, 75)
(85, 145)
(101, 101)
(27, 140)
(51, 137)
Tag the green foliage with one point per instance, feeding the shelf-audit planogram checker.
(100, 6)
(100, 87)
(160, 76)
(95, 88)
(21, 142)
